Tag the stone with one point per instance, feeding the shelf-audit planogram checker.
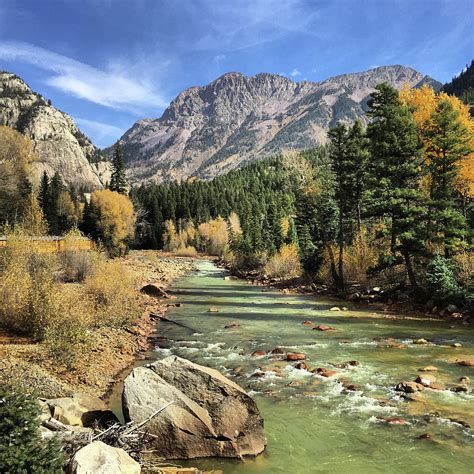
(307, 323)
(81, 410)
(210, 415)
(437, 386)
(259, 353)
(467, 363)
(232, 326)
(349, 363)
(294, 383)
(425, 380)
(458, 421)
(335, 308)
(376, 289)
(351, 387)
(154, 289)
(277, 350)
(464, 379)
(420, 341)
(324, 372)
(409, 387)
(323, 327)
(429, 368)
(456, 344)
(295, 356)
(301, 366)
(100, 458)
(425, 436)
(452, 308)
(461, 388)
(393, 421)
(214, 310)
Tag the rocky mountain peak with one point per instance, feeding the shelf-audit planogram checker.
(61, 147)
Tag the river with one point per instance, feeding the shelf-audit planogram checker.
(312, 423)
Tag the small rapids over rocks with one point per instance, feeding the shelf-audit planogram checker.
(347, 415)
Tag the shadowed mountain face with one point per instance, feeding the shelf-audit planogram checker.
(61, 147)
(209, 130)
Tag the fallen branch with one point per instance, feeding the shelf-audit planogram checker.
(126, 433)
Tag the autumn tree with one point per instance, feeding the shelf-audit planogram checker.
(16, 155)
(112, 219)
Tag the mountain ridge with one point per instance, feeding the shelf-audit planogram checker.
(59, 144)
(235, 119)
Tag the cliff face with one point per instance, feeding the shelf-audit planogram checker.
(59, 144)
(207, 131)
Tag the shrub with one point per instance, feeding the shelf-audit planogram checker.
(441, 282)
(21, 448)
(214, 236)
(188, 251)
(112, 289)
(284, 264)
(77, 263)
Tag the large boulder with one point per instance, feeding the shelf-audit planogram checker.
(99, 458)
(210, 415)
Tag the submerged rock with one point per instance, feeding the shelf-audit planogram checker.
(425, 436)
(301, 366)
(210, 415)
(349, 363)
(429, 368)
(307, 323)
(277, 350)
(409, 387)
(323, 327)
(393, 421)
(467, 363)
(324, 372)
(420, 341)
(259, 353)
(232, 326)
(214, 310)
(100, 458)
(335, 308)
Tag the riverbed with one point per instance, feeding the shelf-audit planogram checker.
(314, 423)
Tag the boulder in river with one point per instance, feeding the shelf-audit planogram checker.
(409, 387)
(295, 356)
(210, 415)
(467, 362)
(323, 327)
(100, 458)
(324, 372)
(259, 353)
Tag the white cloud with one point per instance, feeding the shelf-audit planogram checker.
(295, 73)
(101, 132)
(113, 87)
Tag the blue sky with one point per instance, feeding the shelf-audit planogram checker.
(109, 63)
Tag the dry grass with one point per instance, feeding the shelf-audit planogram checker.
(188, 251)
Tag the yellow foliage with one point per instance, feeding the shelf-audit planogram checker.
(188, 251)
(284, 264)
(214, 236)
(234, 224)
(423, 103)
(33, 222)
(114, 217)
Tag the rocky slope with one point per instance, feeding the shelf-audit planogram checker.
(59, 144)
(210, 130)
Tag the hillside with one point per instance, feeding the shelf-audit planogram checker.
(462, 86)
(59, 144)
(207, 131)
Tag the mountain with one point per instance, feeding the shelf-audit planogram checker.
(209, 130)
(59, 144)
(462, 86)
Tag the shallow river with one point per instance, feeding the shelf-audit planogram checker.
(315, 425)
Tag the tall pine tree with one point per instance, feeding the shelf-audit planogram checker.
(118, 182)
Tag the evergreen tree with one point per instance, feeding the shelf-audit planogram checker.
(43, 195)
(52, 209)
(448, 143)
(118, 182)
(395, 173)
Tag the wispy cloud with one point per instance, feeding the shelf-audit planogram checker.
(103, 133)
(295, 73)
(234, 26)
(112, 87)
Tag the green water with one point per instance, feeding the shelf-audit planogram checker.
(316, 426)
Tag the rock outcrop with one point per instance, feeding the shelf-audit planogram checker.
(99, 458)
(209, 130)
(210, 415)
(61, 147)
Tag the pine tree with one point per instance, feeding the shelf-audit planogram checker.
(396, 173)
(52, 209)
(118, 182)
(43, 195)
(448, 143)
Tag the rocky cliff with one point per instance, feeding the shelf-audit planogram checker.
(207, 131)
(59, 144)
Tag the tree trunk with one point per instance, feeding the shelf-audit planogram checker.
(334, 274)
(410, 271)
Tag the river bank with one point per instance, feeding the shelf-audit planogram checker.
(113, 350)
(376, 296)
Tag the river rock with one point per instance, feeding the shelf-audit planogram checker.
(153, 289)
(295, 356)
(213, 310)
(409, 387)
(420, 341)
(459, 388)
(307, 323)
(81, 410)
(259, 353)
(323, 327)
(393, 421)
(456, 344)
(349, 363)
(467, 363)
(425, 380)
(429, 368)
(301, 366)
(100, 458)
(324, 372)
(210, 415)
(232, 326)
(277, 351)
(425, 436)
(335, 308)
(464, 379)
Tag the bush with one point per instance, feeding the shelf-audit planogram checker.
(441, 283)
(188, 251)
(112, 289)
(77, 263)
(21, 449)
(284, 264)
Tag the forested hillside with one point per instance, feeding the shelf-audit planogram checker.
(462, 86)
